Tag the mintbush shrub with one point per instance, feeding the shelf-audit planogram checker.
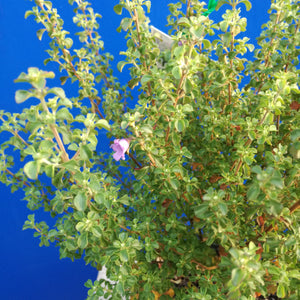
(200, 199)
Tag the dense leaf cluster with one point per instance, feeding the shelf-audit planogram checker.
(206, 205)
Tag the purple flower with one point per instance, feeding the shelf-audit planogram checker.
(120, 147)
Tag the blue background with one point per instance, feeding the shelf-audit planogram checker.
(28, 271)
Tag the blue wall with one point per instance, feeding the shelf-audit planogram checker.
(26, 270)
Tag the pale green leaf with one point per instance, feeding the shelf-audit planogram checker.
(237, 275)
(40, 33)
(82, 241)
(118, 9)
(58, 92)
(146, 78)
(253, 192)
(22, 95)
(247, 4)
(281, 293)
(176, 71)
(31, 169)
(85, 152)
(179, 125)
(295, 135)
(102, 123)
(80, 201)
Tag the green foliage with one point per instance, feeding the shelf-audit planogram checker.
(208, 204)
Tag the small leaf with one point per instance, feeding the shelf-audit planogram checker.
(252, 246)
(183, 21)
(237, 276)
(281, 291)
(146, 78)
(68, 43)
(256, 169)
(124, 255)
(176, 71)
(102, 123)
(223, 208)
(201, 211)
(97, 232)
(31, 169)
(187, 86)
(179, 125)
(58, 92)
(22, 95)
(28, 13)
(133, 82)
(220, 3)
(126, 23)
(170, 292)
(206, 44)
(80, 201)
(100, 198)
(63, 79)
(197, 32)
(148, 5)
(294, 274)
(234, 253)
(187, 108)
(295, 135)
(120, 288)
(71, 165)
(80, 226)
(224, 26)
(64, 114)
(179, 51)
(82, 241)
(146, 129)
(39, 82)
(71, 246)
(250, 47)
(40, 33)
(277, 180)
(247, 4)
(121, 65)
(50, 171)
(118, 9)
(124, 200)
(174, 183)
(253, 192)
(85, 152)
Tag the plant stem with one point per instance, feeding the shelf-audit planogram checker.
(60, 143)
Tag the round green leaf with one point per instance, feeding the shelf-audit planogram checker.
(102, 123)
(176, 71)
(124, 255)
(80, 201)
(201, 211)
(22, 95)
(247, 4)
(223, 208)
(253, 192)
(85, 152)
(281, 291)
(146, 78)
(82, 241)
(118, 9)
(179, 125)
(31, 169)
(295, 135)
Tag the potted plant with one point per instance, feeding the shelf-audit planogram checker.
(199, 196)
